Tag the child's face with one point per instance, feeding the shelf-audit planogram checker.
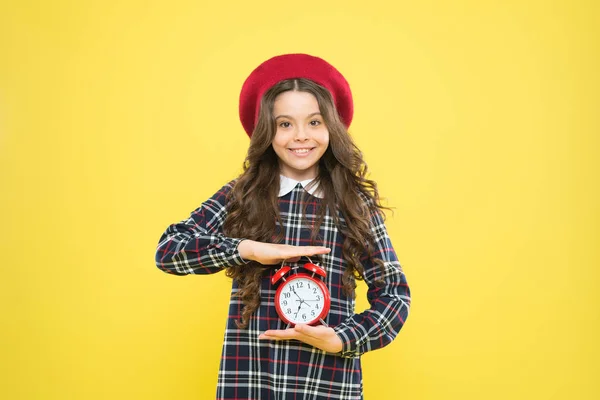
(301, 137)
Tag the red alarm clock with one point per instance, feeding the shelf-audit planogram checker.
(302, 298)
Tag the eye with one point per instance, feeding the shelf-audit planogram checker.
(284, 124)
(315, 122)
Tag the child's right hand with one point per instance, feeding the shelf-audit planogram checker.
(271, 254)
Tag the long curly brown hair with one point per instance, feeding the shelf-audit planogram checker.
(253, 208)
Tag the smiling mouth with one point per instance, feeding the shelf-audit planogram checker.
(301, 151)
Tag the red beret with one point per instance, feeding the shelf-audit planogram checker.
(289, 66)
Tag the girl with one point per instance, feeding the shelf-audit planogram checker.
(303, 193)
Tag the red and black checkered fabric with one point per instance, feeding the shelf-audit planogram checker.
(262, 369)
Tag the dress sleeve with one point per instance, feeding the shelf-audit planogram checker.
(390, 300)
(197, 244)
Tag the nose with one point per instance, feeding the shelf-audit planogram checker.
(300, 134)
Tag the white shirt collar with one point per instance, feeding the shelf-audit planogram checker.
(286, 185)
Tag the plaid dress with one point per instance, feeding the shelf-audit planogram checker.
(262, 369)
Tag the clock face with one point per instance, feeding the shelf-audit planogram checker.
(302, 300)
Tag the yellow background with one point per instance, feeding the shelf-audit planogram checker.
(479, 120)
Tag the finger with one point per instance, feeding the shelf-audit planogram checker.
(316, 332)
(293, 333)
(309, 250)
(279, 334)
(320, 336)
(318, 250)
(304, 336)
(288, 334)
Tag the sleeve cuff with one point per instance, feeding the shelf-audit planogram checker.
(349, 346)
(230, 247)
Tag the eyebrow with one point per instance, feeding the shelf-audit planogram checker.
(288, 117)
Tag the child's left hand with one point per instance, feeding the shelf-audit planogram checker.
(321, 337)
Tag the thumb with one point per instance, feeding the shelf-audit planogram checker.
(306, 329)
(300, 328)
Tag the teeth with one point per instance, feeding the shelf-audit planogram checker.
(301, 151)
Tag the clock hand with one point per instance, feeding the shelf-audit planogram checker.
(294, 290)
(301, 300)
(297, 311)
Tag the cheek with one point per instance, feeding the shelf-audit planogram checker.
(279, 150)
(281, 139)
(277, 142)
(324, 139)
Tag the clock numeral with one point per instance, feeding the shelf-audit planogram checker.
(296, 294)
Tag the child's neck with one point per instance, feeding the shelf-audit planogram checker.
(299, 178)
(299, 175)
